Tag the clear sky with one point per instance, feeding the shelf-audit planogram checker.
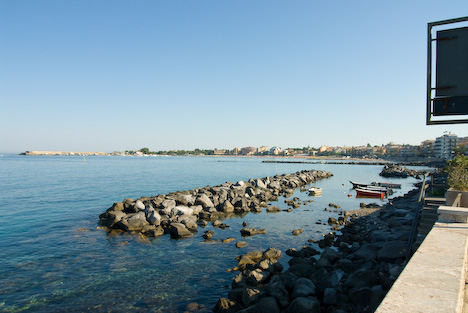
(106, 75)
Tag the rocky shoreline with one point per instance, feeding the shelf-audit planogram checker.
(352, 274)
(348, 272)
(180, 213)
(394, 170)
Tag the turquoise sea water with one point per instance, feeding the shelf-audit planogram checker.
(55, 259)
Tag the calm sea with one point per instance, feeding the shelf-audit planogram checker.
(55, 259)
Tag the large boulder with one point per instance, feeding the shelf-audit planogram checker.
(168, 204)
(392, 251)
(366, 252)
(252, 231)
(330, 254)
(360, 295)
(139, 205)
(273, 209)
(304, 305)
(331, 280)
(239, 202)
(278, 290)
(226, 207)
(182, 210)
(136, 221)
(270, 265)
(244, 261)
(203, 215)
(196, 209)
(272, 253)
(152, 230)
(110, 218)
(178, 230)
(250, 192)
(302, 269)
(275, 185)
(225, 305)
(330, 296)
(250, 296)
(267, 305)
(185, 200)
(191, 225)
(240, 183)
(303, 287)
(260, 184)
(204, 201)
(153, 218)
(257, 276)
(117, 206)
(362, 277)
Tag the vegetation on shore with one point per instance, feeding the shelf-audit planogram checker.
(457, 172)
(172, 152)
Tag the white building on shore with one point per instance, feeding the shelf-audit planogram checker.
(444, 146)
(276, 150)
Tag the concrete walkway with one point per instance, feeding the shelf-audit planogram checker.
(434, 278)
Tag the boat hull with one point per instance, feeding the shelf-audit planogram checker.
(389, 185)
(370, 193)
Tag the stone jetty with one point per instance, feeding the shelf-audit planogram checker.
(394, 170)
(180, 213)
(352, 273)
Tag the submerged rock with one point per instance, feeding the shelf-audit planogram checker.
(252, 231)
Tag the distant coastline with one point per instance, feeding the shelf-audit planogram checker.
(300, 158)
(63, 153)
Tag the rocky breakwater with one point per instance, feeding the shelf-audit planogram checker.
(352, 273)
(180, 213)
(394, 170)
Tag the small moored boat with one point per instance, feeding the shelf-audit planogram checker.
(358, 185)
(370, 193)
(388, 185)
(377, 188)
(372, 186)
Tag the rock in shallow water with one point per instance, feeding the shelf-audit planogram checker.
(297, 232)
(225, 306)
(178, 230)
(273, 209)
(152, 230)
(136, 221)
(241, 244)
(272, 253)
(252, 231)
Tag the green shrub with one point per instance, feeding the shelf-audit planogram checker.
(457, 173)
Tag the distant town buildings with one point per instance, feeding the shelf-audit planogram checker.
(275, 150)
(220, 151)
(248, 151)
(324, 148)
(263, 150)
(444, 147)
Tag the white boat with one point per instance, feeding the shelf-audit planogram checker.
(315, 191)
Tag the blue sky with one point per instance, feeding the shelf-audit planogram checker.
(107, 75)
